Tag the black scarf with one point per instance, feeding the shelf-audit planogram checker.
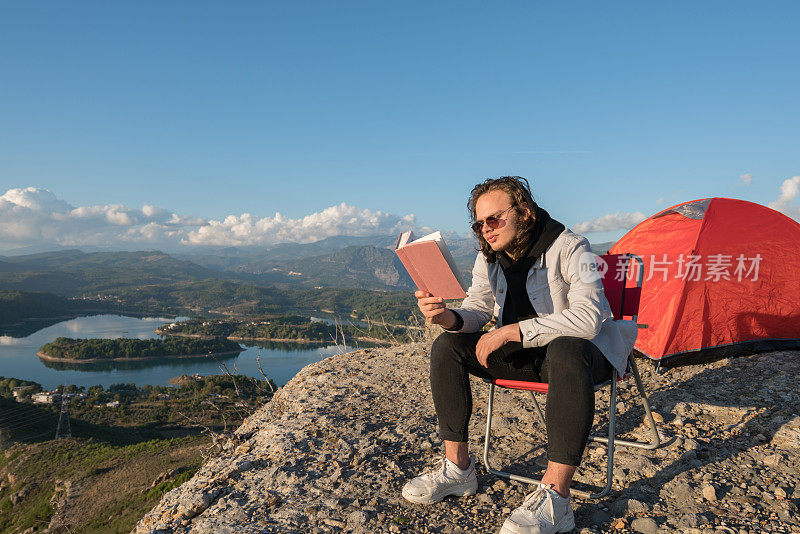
(517, 305)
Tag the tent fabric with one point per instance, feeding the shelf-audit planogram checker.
(720, 278)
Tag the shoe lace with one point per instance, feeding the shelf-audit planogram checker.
(534, 499)
(438, 468)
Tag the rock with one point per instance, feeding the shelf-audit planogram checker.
(637, 507)
(645, 525)
(357, 518)
(682, 494)
(657, 417)
(485, 498)
(197, 505)
(500, 485)
(600, 518)
(629, 506)
(688, 520)
(332, 449)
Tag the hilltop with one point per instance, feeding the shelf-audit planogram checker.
(332, 449)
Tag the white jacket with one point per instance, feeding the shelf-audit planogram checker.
(566, 293)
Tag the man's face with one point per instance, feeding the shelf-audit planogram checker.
(496, 203)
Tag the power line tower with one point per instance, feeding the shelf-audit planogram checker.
(64, 430)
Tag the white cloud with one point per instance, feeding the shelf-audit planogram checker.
(32, 216)
(747, 178)
(790, 191)
(661, 200)
(33, 199)
(343, 219)
(610, 222)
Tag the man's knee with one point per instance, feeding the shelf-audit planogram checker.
(444, 346)
(568, 354)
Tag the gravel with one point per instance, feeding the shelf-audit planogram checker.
(334, 447)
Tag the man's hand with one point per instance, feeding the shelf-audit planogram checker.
(491, 341)
(435, 310)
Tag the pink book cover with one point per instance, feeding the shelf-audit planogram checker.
(428, 267)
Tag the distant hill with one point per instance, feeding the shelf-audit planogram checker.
(259, 260)
(368, 266)
(337, 262)
(365, 267)
(73, 272)
(17, 306)
(231, 298)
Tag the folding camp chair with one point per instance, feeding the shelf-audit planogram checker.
(624, 301)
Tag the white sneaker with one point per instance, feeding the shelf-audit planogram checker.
(543, 512)
(446, 479)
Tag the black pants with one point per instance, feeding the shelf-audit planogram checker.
(570, 365)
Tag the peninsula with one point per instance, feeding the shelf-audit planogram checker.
(287, 328)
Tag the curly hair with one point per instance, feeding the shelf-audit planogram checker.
(519, 191)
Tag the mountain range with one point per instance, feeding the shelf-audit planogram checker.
(341, 262)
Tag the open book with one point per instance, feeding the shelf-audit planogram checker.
(430, 265)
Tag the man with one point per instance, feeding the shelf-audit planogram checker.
(554, 325)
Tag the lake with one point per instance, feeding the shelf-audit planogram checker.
(18, 356)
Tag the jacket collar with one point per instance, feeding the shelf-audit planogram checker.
(545, 231)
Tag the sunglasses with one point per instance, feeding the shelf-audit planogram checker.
(492, 220)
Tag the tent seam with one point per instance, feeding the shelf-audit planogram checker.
(673, 324)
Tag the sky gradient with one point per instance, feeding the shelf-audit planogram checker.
(204, 111)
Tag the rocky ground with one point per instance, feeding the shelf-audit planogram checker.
(332, 450)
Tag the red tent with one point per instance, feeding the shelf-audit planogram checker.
(721, 277)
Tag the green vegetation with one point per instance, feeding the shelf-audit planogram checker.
(116, 478)
(120, 460)
(287, 327)
(145, 412)
(72, 272)
(126, 348)
(16, 306)
(25, 388)
(151, 282)
(230, 298)
(154, 282)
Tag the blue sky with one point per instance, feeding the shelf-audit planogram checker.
(208, 110)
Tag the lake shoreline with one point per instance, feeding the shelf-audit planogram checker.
(160, 332)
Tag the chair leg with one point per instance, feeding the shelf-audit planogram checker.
(655, 438)
(612, 418)
(655, 441)
(609, 441)
(539, 413)
(487, 437)
(488, 434)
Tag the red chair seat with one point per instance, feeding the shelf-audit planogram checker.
(541, 387)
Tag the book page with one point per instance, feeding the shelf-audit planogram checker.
(435, 236)
(404, 239)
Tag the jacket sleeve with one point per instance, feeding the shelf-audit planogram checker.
(478, 306)
(585, 314)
